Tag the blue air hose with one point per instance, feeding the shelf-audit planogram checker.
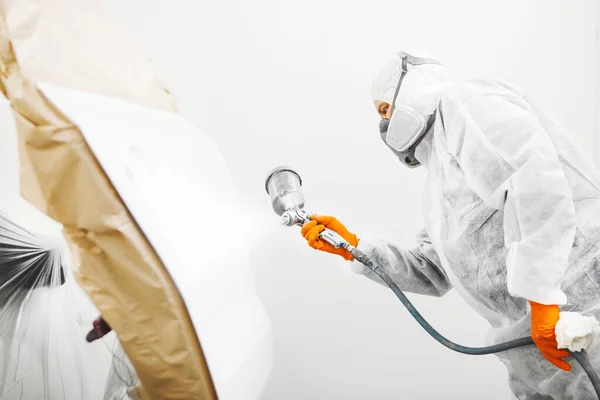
(581, 357)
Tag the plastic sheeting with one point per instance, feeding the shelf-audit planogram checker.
(139, 273)
(43, 353)
(71, 43)
(122, 382)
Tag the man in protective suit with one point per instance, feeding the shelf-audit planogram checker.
(511, 210)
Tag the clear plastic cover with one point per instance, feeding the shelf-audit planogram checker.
(44, 316)
(122, 379)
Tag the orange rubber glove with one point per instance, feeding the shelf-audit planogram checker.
(312, 229)
(543, 321)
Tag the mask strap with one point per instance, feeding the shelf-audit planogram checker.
(398, 88)
(414, 61)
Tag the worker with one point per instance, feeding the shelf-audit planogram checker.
(511, 215)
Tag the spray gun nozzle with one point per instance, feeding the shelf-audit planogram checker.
(286, 219)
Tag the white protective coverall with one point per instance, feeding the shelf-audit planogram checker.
(512, 213)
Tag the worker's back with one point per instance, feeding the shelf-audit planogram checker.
(472, 233)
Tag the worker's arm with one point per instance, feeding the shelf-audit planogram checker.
(510, 162)
(416, 270)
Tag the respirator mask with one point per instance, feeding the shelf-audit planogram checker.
(407, 126)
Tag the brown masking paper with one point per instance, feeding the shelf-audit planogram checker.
(70, 43)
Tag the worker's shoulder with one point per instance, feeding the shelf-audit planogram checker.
(458, 93)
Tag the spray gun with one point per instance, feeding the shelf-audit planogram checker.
(284, 186)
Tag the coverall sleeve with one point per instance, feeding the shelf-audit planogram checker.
(509, 161)
(415, 271)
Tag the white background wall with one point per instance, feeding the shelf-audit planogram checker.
(280, 82)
